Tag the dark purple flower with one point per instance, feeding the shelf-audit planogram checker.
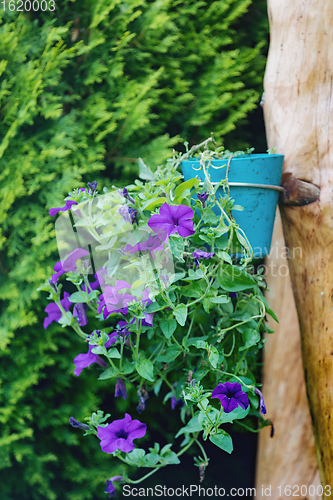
(120, 389)
(109, 486)
(119, 434)
(78, 425)
(148, 321)
(128, 214)
(203, 198)
(125, 194)
(153, 243)
(68, 205)
(79, 311)
(69, 264)
(174, 401)
(200, 254)
(143, 396)
(53, 311)
(92, 186)
(262, 405)
(114, 302)
(231, 396)
(84, 360)
(172, 219)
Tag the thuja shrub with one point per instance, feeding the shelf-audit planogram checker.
(86, 89)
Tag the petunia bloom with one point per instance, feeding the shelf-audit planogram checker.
(84, 360)
(78, 425)
(111, 301)
(92, 186)
(109, 485)
(124, 193)
(262, 405)
(68, 205)
(79, 311)
(53, 311)
(231, 396)
(200, 254)
(69, 264)
(119, 434)
(120, 389)
(128, 214)
(203, 198)
(151, 245)
(172, 219)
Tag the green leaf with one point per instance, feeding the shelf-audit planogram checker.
(234, 279)
(113, 353)
(169, 458)
(213, 356)
(236, 414)
(222, 299)
(251, 337)
(180, 314)
(144, 172)
(171, 353)
(186, 185)
(193, 425)
(108, 373)
(153, 202)
(145, 369)
(135, 457)
(177, 248)
(223, 440)
(168, 327)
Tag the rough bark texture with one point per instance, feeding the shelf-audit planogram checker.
(298, 116)
(287, 459)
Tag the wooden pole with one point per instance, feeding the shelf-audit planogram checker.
(298, 116)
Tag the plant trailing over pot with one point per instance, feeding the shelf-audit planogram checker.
(161, 290)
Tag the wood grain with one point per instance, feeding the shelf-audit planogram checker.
(298, 116)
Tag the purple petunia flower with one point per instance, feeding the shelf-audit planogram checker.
(172, 219)
(53, 311)
(109, 485)
(92, 186)
(153, 243)
(262, 405)
(203, 198)
(68, 205)
(79, 311)
(124, 193)
(119, 434)
(120, 389)
(200, 254)
(69, 264)
(84, 360)
(78, 425)
(114, 302)
(231, 396)
(128, 214)
(148, 321)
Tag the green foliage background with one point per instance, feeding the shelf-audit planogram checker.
(85, 91)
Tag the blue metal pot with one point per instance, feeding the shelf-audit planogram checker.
(245, 174)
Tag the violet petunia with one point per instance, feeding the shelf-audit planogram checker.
(172, 219)
(79, 311)
(120, 389)
(53, 311)
(124, 192)
(231, 396)
(262, 405)
(200, 254)
(68, 205)
(69, 264)
(110, 487)
(84, 360)
(111, 301)
(148, 320)
(203, 198)
(119, 434)
(128, 214)
(151, 245)
(78, 425)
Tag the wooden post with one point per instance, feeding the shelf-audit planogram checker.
(299, 122)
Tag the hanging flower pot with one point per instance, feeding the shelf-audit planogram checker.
(254, 183)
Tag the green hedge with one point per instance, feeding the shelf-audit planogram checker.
(84, 92)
